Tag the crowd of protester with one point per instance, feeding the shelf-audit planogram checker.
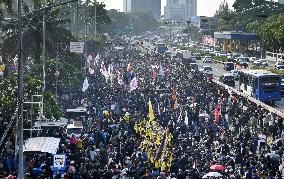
(175, 124)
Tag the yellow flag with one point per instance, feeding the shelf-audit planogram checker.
(151, 112)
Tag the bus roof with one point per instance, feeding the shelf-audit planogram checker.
(75, 124)
(258, 73)
(79, 109)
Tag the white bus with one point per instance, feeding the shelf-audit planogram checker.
(274, 56)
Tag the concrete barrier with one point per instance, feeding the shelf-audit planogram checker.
(269, 108)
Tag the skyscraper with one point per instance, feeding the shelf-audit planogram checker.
(281, 1)
(180, 9)
(148, 6)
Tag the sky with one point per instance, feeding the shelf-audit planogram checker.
(204, 7)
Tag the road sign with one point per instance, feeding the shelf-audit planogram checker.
(77, 47)
(59, 161)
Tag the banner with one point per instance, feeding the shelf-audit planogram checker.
(77, 47)
(59, 161)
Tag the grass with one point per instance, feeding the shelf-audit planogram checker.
(221, 59)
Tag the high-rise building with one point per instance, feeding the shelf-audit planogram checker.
(148, 6)
(180, 9)
(126, 5)
(281, 1)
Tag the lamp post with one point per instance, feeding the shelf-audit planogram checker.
(188, 23)
(21, 91)
(19, 22)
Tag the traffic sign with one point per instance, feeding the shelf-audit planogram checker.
(77, 47)
(59, 161)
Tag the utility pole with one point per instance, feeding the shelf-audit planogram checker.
(56, 74)
(86, 16)
(95, 18)
(21, 91)
(43, 50)
(170, 31)
(188, 23)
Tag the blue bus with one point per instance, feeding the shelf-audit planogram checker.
(161, 48)
(262, 85)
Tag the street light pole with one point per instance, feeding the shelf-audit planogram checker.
(188, 23)
(21, 90)
(95, 18)
(170, 31)
(43, 50)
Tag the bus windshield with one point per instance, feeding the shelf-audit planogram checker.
(76, 114)
(269, 84)
(77, 131)
(161, 45)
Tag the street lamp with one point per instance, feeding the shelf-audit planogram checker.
(169, 22)
(21, 77)
(188, 23)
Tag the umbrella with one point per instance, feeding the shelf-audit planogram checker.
(217, 167)
(274, 156)
(212, 174)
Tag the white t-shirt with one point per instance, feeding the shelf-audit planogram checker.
(281, 169)
(262, 138)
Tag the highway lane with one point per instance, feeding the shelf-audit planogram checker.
(218, 70)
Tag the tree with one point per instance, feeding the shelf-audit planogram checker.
(32, 32)
(94, 11)
(9, 93)
(272, 32)
(70, 78)
(225, 16)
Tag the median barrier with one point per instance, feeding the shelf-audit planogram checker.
(269, 108)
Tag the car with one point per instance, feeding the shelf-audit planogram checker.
(282, 87)
(242, 63)
(228, 66)
(227, 79)
(252, 59)
(194, 66)
(207, 70)
(279, 65)
(207, 59)
(235, 73)
(260, 63)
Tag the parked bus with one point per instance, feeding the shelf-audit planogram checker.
(262, 85)
(76, 114)
(274, 56)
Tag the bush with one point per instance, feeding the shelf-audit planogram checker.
(221, 59)
(279, 72)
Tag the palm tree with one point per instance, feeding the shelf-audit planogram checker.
(33, 32)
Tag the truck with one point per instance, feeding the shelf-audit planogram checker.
(161, 48)
(187, 58)
(75, 128)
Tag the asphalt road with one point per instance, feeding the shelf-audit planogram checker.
(218, 70)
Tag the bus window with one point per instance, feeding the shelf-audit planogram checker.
(269, 84)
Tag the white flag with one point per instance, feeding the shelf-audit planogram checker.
(119, 80)
(103, 70)
(90, 58)
(186, 118)
(133, 84)
(110, 70)
(85, 85)
(96, 61)
(161, 71)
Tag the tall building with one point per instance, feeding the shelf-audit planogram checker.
(281, 1)
(148, 6)
(180, 9)
(126, 5)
